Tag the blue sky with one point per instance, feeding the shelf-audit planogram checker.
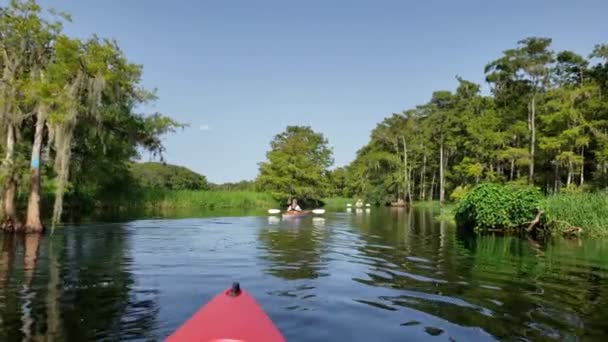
(240, 71)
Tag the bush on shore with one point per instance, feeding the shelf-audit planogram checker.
(494, 206)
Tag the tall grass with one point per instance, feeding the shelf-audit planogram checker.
(166, 199)
(337, 203)
(588, 211)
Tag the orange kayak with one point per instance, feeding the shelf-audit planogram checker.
(289, 214)
(232, 315)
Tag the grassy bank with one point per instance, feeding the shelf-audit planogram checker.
(588, 211)
(337, 203)
(166, 199)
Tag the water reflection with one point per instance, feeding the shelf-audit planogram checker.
(69, 286)
(473, 281)
(394, 274)
(294, 248)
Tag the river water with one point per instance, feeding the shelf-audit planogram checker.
(384, 275)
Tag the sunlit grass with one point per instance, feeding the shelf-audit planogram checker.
(337, 203)
(166, 199)
(588, 211)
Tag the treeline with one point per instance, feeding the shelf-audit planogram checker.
(68, 124)
(243, 185)
(153, 175)
(545, 123)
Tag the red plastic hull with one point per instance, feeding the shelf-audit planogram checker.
(227, 318)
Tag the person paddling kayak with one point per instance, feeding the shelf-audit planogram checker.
(294, 206)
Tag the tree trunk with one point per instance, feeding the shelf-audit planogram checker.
(33, 224)
(582, 166)
(569, 179)
(532, 137)
(406, 172)
(432, 190)
(410, 184)
(422, 183)
(558, 181)
(10, 184)
(512, 169)
(518, 173)
(441, 174)
(397, 149)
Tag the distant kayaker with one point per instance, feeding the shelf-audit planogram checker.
(359, 203)
(294, 206)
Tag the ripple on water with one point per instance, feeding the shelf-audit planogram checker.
(418, 259)
(379, 277)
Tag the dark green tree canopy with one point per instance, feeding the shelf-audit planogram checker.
(297, 165)
(167, 177)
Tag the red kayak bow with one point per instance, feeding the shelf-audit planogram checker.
(232, 315)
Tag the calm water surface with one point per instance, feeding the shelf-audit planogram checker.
(387, 275)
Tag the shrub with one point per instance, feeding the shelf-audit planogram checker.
(524, 204)
(497, 206)
(458, 194)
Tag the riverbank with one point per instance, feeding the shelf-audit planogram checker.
(337, 203)
(588, 211)
(180, 199)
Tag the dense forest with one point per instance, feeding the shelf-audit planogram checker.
(545, 123)
(167, 177)
(68, 121)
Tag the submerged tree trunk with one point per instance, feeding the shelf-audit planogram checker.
(30, 258)
(33, 223)
(441, 174)
(10, 184)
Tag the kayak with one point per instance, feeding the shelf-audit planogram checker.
(232, 315)
(289, 214)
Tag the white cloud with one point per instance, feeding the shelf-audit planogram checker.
(204, 127)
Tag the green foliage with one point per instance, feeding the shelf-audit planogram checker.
(162, 176)
(338, 182)
(165, 199)
(459, 192)
(588, 211)
(238, 186)
(296, 165)
(544, 124)
(524, 204)
(337, 203)
(84, 94)
(495, 206)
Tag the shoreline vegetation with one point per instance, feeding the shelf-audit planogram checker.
(530, 155)
(205, 199)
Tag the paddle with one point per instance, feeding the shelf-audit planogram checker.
(314, 211)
